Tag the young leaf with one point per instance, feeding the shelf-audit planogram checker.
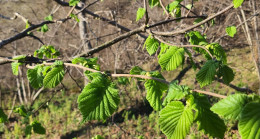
(153, 3)
(73, 2)
(21, 110)
(196, 38)
(216, 50)
(230, 107)
(35, 77)
(99, 99)
(173, 58)
(73, 16)
(227, 74)
(231, 31)
(140, 13)
(19, 58)
(155, 90)
(3, 116)
(53, 77)
(176, 92)
(136, 70)
(151, 45)
(175, 120)
(48, 18)
(208, 122)
(38, 128)
(15, 67)
(44, 28)
(170, 7)
(207, 73)
(237, 3)
(249, 123)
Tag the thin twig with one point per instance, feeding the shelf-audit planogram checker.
(166, 12)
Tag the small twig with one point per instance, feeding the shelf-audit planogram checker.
(166, 12)
(74, 80)
(14, 100)
(209, 93)
(186, 46)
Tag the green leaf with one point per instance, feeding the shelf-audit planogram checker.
(20, 57)
(35, 77)
(53, 77)
(98, 137)
(176, 92)
(164, 48)
(140, 13)
(21, 110)
(73, 16)
(27, 24)
(38, 128)
(231, 31)
(197, 20)
(237, 3)
(44, 28)
(230, 107)
(153, 3)
(3, 116)
(170, 7)
(28, 130)
(216, 50)
(227, 74)
(151, 45)
(173, 58)
(196, 38)
(208, 122)
(15, 67)
(189, 6)
(45, 70)
(73, 2)
(155, 90)
(48, 18)
(175, 120)
(207, 73)
(137, 71)
(99, 99)
(249, 124)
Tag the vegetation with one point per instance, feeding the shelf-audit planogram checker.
(177, 110)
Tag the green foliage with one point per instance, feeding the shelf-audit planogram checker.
(216, 50)
(3, 116)
(151, 45)
(207, 121)
(73, 16)
(153, 3)
(230, 107)
(175, 120)
(73, 2)
(249, 123)
(44, 28)
(231, 31)
(21, 111)
(49, 18)
(123, 80)
(207, 73)
(87, 62)
(28, 130)
(155, 90)
(237, 3)
(15, 67)
(47, 50)
(140, 13)
(172, 58)
(176, 92)
(53, 77)
(195, 38)
(20, 58)
(174, 8)
(35, 76)
(98, 137)
(99, 99)
(137, 71)
(226, 73)
(197, 20)
(38, 128)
